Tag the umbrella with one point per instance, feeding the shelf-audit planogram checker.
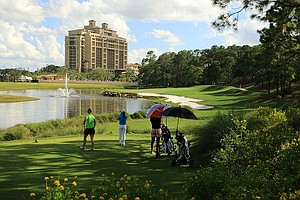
(179, 112)
(156, 110)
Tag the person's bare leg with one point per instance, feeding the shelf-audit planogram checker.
(92, 141)
(152, 144)
(84, 140)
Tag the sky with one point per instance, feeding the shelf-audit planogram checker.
(33, 31)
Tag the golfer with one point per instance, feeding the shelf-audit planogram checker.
(89, 129)
(155, 134)
(122, 128)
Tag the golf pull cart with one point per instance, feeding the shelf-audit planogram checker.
(182, 155)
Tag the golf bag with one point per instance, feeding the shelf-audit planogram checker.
(167, 145)
(182, 155)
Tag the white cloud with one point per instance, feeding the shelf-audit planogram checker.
(22, 11)
(137, 55)
(246, 34)
(170, 38)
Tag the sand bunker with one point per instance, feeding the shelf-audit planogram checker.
(182, 100)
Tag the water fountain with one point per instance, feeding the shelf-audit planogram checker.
(65, 92)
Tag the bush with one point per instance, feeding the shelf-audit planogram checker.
(110, 187)
(215, 129)
(261, 163)
(293, 117)
(264, 117)
(138, 115)
(15, 133)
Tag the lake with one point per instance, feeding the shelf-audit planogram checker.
(53, 106)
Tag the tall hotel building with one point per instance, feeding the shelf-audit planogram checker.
(93, 47)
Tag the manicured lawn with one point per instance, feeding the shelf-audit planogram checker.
(24, 164)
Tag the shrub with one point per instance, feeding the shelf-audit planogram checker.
(138, 115)
(250, 164)
(110, 187)
(293, 117)
(215, 129)
(265, 117)
(15, 133)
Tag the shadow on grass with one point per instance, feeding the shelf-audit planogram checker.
(24, 166)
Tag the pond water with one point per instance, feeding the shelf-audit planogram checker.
(53, 106)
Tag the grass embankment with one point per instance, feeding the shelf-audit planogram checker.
(11, 98)
(28, 86)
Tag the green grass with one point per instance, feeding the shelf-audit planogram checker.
(24, 164)
(11, 98)
(27, 86)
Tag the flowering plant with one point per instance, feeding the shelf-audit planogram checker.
(109, 188)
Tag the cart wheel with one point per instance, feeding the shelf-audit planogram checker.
(157, 155)
(173, 162)
(191, 163)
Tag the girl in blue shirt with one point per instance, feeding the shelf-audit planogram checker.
(122, 128)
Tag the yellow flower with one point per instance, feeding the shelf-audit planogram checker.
(118, 184)
(66, 179)
(92, 197)
(47, 188)
(102, 174)
(147, 185)
(128, 178)
(120, 198)
(122, 179)
(137, 198)
(51, 177)
(283, 196)
(193, 198)
(83, 195)
(75, 176)
(61, 187)
(292, 196)
(161, 190)
(57, 183)
(46, 178)
(74, 183)
(86, 198)
(121, 189)
(101, 198)
(110, 198)
(112, 173)
(32, 194)
(125, 197)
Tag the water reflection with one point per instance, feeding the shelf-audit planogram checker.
(50, 106)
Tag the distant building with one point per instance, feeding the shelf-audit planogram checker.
(133, 67)
(25, 78)
(93, 47)
(48, 77)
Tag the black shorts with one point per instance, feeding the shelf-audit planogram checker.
(90, 131)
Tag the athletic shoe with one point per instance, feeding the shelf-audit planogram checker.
(82, 148)
(91, 149)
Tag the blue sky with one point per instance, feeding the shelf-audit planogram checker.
(33, 31)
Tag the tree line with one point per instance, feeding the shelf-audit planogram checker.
(219, 65)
